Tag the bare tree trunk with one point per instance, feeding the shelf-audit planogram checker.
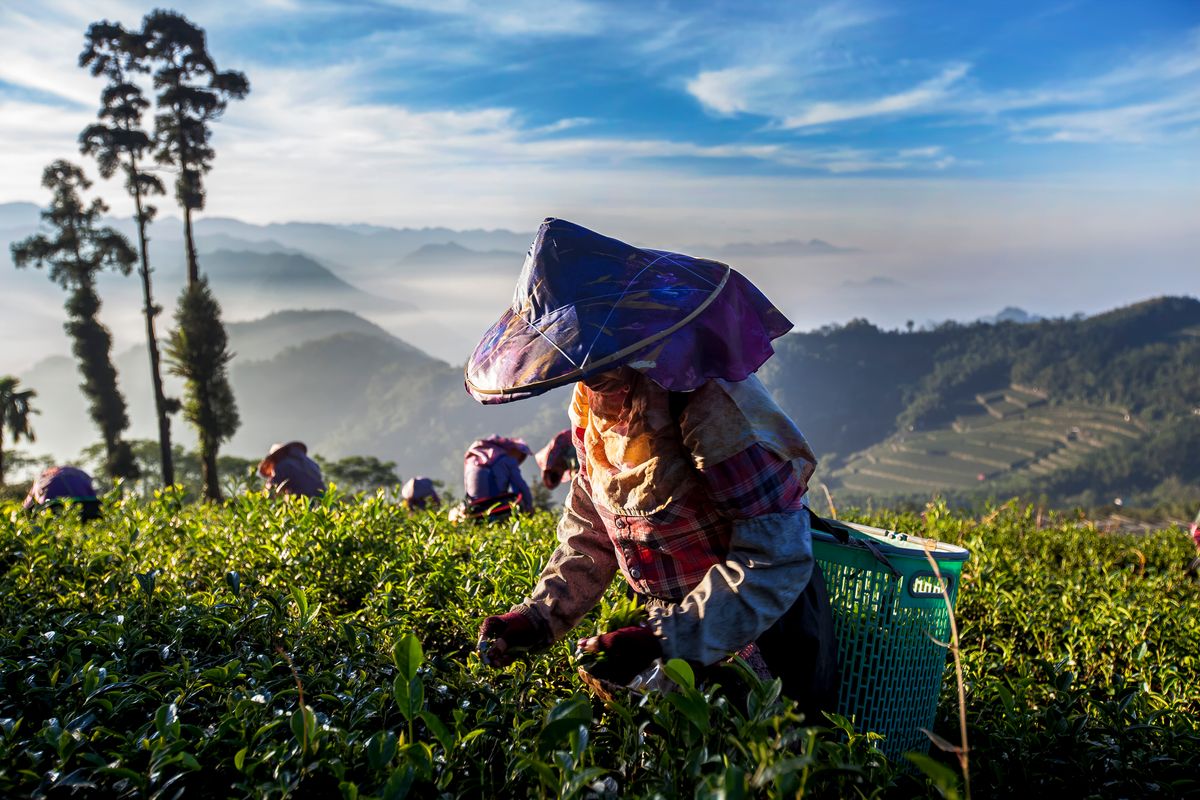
(151, 311)
(208, 468)
(193, 266)
(1, 454)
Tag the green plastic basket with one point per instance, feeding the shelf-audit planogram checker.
(889, 616)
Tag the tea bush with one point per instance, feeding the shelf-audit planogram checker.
(273, 649)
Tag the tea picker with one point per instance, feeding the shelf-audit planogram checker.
(557, 460)
(691, 480)
(419, 493)
(287, 469)
(492, 480)
(58, 487)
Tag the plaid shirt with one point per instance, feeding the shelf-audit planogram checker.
(733, 501)
(666, 554)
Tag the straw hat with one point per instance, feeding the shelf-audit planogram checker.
(586, 303)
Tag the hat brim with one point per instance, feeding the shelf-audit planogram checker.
(517, 359)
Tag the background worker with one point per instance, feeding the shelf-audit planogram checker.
(59, 486)
(287, 469)
(557, 460)
(419, 493)
(691, 479)
(492, 472)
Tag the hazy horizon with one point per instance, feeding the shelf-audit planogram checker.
(814, 289)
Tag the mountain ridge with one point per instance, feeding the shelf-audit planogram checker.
(347, 387)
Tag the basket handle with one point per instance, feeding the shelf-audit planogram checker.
(843, 537)
(928, 576)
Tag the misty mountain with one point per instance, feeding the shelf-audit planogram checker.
(378, 397)
(785, 248)
(347, 387)
(18, 216)
(342, 384)
(454, 255)
(275, 281)
(352, 249)
(874, 282)
(265, 338)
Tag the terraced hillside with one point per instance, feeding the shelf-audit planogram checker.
(1013, 432)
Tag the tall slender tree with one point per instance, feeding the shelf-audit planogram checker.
(193, 93)
(75, 252)
(15, 411)
(118, 141)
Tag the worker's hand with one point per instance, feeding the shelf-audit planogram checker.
(625, 651)
(502, 638)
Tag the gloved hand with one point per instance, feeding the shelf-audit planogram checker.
(502, 638)
(625, 652)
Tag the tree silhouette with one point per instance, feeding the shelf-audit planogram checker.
(192, 93)
(118, 141)
(15, 411)
(198, 352)
(78, 251)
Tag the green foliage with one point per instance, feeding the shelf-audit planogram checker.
(239, 474)
(15, 411)
(276, 648)
(360, 473)
(1132, 357)
(198, 352)
(858, 390)
(75, 252)
(192, 93)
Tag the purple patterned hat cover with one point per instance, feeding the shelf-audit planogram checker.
(586, 303)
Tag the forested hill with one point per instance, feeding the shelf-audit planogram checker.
(911, 407)
(1061, 408)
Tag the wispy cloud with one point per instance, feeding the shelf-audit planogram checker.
(1139, 123)
(1147, 96)
(926, 95)
(337, 130)
(1152, 97)
(516, 17)
(732, 90)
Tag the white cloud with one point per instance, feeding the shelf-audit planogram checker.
(1138, 123)
(926, 95)
(516, 17)
(732, 90)
(1145, 96)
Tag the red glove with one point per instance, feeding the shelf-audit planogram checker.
(625, 651)
(503, 637)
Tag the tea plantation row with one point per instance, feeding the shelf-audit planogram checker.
(270, 649)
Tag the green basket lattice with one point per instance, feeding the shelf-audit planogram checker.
(888, 628)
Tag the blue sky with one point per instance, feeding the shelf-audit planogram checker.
(981, 89)
(974, 153)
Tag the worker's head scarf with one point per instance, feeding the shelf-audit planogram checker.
(585, 304)
(278, 452)
(485, 452)
(557, 460)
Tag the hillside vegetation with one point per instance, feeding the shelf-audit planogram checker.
(1077, 411)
